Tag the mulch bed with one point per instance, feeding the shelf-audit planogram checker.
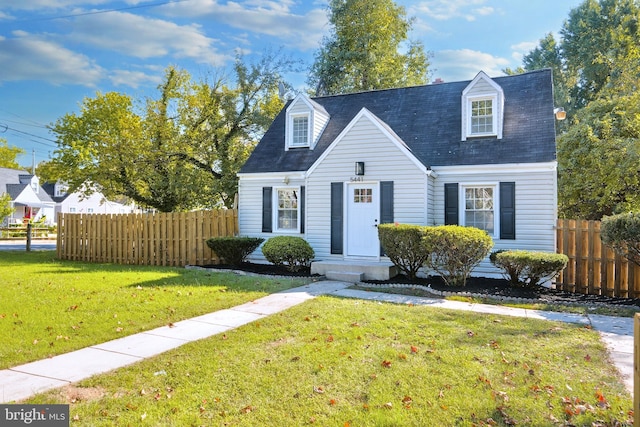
(497, 288)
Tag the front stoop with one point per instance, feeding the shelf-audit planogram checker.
(345, 276)
(354, 270)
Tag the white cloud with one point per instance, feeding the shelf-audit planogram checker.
(275, 19)
(47, 4)
(464, 64)
(521, 49)
(443, 10)
(28, 57)
(134, 79)
(142, 37)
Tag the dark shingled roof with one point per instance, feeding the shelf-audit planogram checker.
(428, 119)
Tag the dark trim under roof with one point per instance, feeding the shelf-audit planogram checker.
(427, 118)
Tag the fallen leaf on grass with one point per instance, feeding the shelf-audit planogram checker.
(386, 363)
(247, 409)
(318, 389)
(414, 349)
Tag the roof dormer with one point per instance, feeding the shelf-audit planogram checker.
(306, 119)
(482, 108)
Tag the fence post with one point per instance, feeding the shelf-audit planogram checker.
(29, 237)
(636, 370)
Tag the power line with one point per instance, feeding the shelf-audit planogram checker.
(4, 128)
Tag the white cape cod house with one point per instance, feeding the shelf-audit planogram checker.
(29, 201)
(478, 153)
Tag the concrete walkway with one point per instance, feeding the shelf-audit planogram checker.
(21, 382)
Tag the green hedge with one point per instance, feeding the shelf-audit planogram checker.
(455, 250)
(234, 250)
(290, 251)
(402, 243)
(622, 233)
(528, 268)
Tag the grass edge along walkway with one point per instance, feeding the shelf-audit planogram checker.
(21, 382)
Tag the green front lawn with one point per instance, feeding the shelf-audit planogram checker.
(343, 362)
(49, 307)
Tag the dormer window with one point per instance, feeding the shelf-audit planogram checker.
(482, 108)
(300, 131)
(305, 122)
(60, 190)
(483, 119)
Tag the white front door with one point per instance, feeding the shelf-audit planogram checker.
(363, 210)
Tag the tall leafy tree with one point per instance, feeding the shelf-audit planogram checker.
(9, 155)
(368, 49)
(598, 35)
(180, 151)
(596, 67)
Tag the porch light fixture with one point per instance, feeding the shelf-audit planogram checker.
(560, 113)
(359, 168)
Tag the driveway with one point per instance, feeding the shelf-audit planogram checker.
(21, 245)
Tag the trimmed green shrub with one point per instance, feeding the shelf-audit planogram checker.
(402, 243)
(622, 233)
(455, 250)
(528, 268)
(233, 250)
(291, 251)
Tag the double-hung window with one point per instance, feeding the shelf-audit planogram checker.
(300, 131)
(479, 208)
(482, 117)
(287, 209)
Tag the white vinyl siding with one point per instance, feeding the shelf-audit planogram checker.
(383, 162)
(535, 192)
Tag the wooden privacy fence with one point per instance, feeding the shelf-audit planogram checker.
(172, 239)
(593, 267)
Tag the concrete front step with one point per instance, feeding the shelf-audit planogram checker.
(345, 276)
(370, 270)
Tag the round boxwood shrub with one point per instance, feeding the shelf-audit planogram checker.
(455, 250)
(233, 250)
(402, 243)
(290, 251)
(622, 233)
(528, 268)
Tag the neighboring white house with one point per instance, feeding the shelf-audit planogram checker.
(78, 203)
(29, 200)
(478, 153)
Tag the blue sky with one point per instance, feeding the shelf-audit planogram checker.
(54, 53)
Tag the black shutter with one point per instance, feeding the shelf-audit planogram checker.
(386, 202)
(302, 207)
(386, 205)
(451, 211)
(267, 209)
(508, 210)
(337, 213)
